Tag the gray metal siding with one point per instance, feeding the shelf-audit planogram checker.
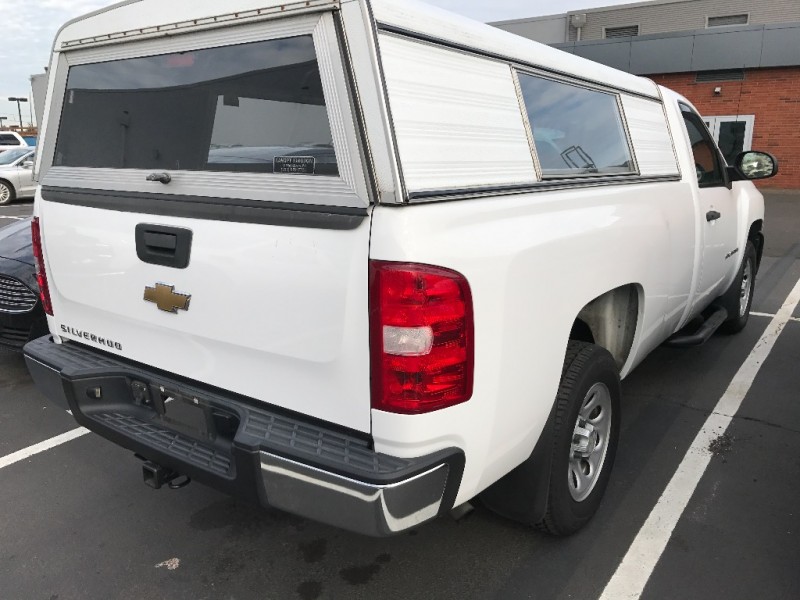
(613, 55)
(781, 46)
(755, 46)
(547, 31)
(682, 15)
(660, 55)
(731, 50)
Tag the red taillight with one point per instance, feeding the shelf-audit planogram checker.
(421, 329)
(41, 274)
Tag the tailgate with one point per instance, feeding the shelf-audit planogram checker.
(206, 214)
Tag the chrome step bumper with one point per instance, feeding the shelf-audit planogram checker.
(246, 448)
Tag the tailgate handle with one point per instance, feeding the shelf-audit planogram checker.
(165, 246)
(166, 242)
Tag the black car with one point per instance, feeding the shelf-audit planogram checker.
(22, 317)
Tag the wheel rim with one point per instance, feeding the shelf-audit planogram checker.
(5, 193)
(589, 446)
(747, 287)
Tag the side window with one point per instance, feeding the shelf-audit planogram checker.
(8, 140)
(576, 131)
(706, 158)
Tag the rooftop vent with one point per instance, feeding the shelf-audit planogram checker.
(728, 20)
(618, 32)
(723, 75)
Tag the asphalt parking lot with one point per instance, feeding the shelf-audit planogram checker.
(77, 521)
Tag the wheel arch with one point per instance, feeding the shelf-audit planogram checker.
(611, 321)
(756, 236)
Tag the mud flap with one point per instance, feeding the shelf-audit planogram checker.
(522, 495)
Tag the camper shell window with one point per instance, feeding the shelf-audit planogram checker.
(577, 131)
(256, 107)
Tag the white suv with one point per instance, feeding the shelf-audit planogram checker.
(11, 139)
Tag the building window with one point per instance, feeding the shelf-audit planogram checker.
(722, 75)
(576, 131)
(728, 20)
(618, 32)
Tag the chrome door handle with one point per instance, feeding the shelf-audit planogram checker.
(712, 215)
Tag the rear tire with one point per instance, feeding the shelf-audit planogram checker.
(7, 193)
(585, 436)
(739, 298)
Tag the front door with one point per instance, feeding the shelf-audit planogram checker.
(27, 186)
(718, 212)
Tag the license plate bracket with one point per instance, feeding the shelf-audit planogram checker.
(187, 415)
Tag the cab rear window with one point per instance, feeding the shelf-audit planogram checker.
(257, 108)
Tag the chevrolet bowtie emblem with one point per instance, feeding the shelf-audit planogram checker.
(165, 297)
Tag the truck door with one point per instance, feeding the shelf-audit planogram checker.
(718, 213)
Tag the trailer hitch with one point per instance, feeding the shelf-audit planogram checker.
(157, 476)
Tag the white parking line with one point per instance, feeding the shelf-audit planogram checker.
(633, 573)
(758, 314)
(13, 218)
(42, 446)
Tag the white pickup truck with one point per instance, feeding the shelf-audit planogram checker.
(366, 260)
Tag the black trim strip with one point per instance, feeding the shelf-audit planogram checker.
(544, 186)
(234, 210)
(501, 57)
(402, 193)
(355, 109)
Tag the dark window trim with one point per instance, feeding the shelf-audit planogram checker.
(543, 186)
(340, 218)
(356, 110)
(687, 111)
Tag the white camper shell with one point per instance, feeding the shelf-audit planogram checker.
(333, 256)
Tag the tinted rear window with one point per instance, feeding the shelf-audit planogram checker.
(255, 107)
(576, 131)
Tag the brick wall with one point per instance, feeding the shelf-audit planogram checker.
(772, 95)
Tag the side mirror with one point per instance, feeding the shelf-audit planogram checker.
(28, 164)
(756, 165)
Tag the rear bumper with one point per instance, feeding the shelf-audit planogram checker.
(244, 447)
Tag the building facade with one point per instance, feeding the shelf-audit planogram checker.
(738, 62)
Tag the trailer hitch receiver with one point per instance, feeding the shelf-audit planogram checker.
(157, 476)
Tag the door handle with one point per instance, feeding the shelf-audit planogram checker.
(165, 246)
(712, 215)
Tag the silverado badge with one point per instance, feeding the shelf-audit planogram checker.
(166, 298)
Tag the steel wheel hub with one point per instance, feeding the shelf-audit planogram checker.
(5, 193)
(589, 442)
